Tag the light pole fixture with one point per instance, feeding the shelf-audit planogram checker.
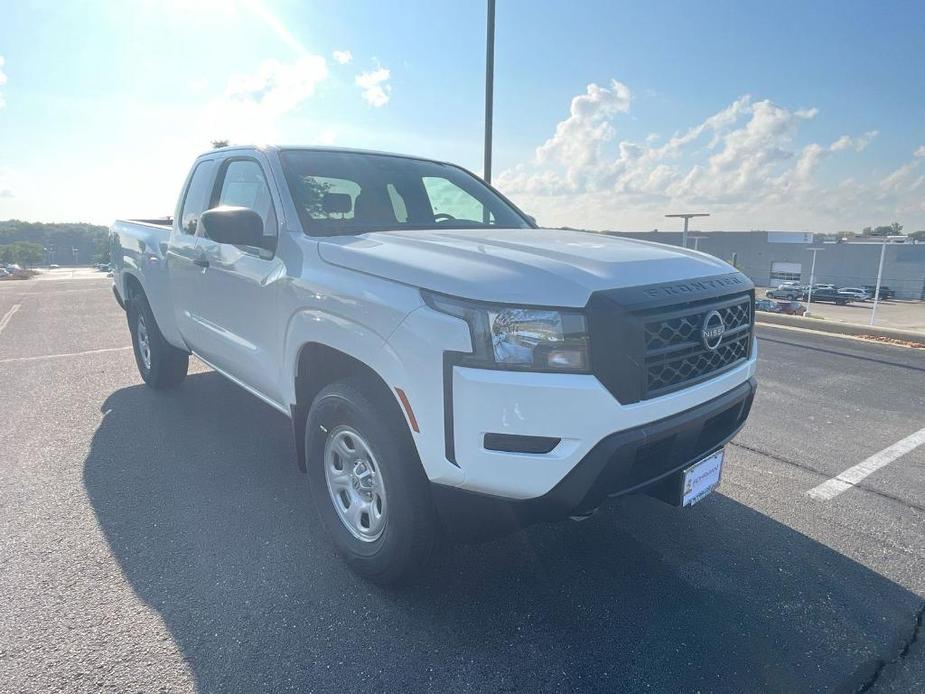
(697, 239)
(812, 278)
(489, 87)
(873, 313)
(686, 216)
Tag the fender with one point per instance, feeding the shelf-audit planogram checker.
(373, 350)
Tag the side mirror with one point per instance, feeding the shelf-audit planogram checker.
(240, 226)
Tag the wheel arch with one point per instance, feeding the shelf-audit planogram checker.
(317, 366)
(131, 287)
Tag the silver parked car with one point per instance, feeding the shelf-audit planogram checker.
(855, 293)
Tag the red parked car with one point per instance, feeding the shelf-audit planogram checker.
(791, 308)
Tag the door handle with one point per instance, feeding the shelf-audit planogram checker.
(201, 262)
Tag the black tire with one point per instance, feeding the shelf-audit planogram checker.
(168, 365)
(409, 534)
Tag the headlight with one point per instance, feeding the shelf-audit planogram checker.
(511, 337)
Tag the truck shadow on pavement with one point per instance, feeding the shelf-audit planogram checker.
(200, 500)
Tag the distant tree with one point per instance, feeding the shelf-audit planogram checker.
(218, 144)
(61, 237)
(918, 235)
(894, 229)
(22, 253)
(101, 254)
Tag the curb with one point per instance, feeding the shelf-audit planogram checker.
(837, 328)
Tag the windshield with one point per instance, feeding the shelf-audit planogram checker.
(352, 193)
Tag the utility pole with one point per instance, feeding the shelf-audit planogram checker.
(812, 278)
(687, 217)
(873, 313)
(489, 87)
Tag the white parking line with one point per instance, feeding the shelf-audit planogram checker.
(11, 360)
(8, 315)
(850, 477)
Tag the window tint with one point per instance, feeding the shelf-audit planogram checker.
(355, 193)
(313, 190)
(197, 197)
(244, 185)
(446, 198)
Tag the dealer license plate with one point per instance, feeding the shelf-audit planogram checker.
(701, 478)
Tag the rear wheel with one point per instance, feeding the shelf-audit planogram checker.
(367, 482)
(160, 364)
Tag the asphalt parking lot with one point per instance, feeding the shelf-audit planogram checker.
(163, 542)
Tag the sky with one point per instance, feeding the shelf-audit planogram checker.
(608, 115)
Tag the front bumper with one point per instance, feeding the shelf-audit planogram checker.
(647, 457)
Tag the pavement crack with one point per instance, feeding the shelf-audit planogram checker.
(908, 642)
(814, 471)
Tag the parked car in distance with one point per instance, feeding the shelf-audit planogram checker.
(789, 293)
(767, 305)
(787, 285)
(856, 292)
(53, 266)
(825, 286)
(831, 296)
(885, 292)
(791, 308)
(4, 272)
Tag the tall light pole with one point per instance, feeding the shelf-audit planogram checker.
(697, 240)
(489, 87)
(812, 278)
(687, 217)
(873, 313)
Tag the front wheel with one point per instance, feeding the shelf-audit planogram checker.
(367, 482)
(160, 364)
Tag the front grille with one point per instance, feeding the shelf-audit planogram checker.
(675, 354)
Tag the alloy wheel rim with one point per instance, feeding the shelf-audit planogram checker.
(355, 485)
(144, 343)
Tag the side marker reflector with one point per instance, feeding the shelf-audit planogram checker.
(407, 405)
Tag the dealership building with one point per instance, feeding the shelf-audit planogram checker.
(772, 257)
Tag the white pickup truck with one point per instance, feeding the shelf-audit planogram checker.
(449, 368)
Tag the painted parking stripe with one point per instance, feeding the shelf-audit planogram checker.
(8, 315)
(11, 360)
(853, 475)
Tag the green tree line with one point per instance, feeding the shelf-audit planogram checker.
(20, 241)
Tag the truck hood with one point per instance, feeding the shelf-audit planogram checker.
(551, 267)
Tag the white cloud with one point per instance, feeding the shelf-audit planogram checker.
(253, 103)
(743, 163)
(2, 80)
(376, 89)
(342, 57)
(578, 141)
(858, 144)
(920, 152)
